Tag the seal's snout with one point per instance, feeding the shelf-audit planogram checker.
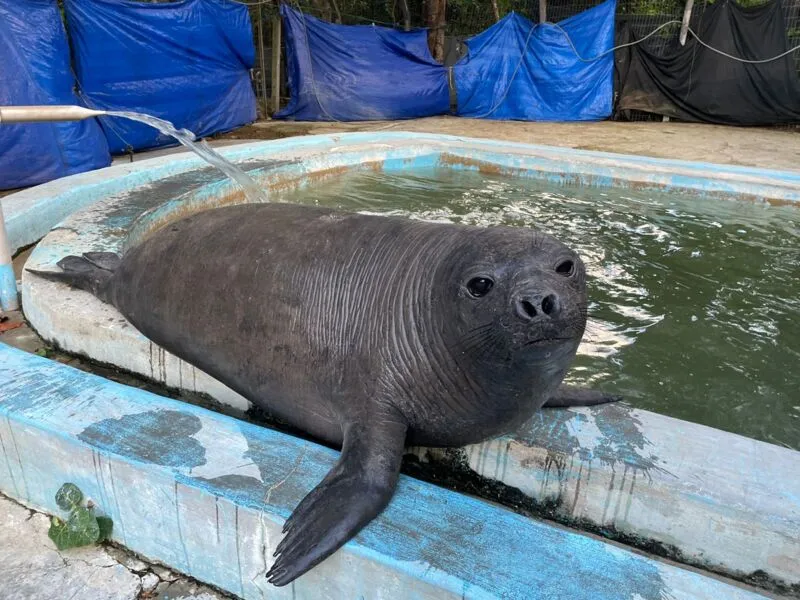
(538, 307)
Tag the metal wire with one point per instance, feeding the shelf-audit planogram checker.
(742, 60)
(697, 37)
(513, 75)
(615, 48)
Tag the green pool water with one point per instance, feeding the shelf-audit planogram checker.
(694, 307)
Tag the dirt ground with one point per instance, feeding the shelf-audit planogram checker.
(746, 146)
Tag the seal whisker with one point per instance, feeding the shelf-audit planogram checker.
(478, 337)
(473, 336)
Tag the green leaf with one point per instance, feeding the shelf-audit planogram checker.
(83, 524)
(106, 525)
(81, 529)
(69, 496)
(59, 534)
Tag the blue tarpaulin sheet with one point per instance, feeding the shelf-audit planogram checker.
(34, 69)
(187, 62)
(359, 72)
(512, 71)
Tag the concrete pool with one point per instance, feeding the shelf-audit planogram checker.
(640, 476)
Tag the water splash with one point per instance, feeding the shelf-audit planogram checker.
(251, 190)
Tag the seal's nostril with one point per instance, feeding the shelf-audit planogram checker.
(550, 304)
(528, 308)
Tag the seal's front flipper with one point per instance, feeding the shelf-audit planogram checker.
(569, 395)
(353, 493)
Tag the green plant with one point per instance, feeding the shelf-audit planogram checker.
(82, 527)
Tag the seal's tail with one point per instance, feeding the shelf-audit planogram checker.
(90, 272)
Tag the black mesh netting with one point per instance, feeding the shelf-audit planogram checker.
(694, 83)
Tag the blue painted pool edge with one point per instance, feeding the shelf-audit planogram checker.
(31, 213)
(195, 505)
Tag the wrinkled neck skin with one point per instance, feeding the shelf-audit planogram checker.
(458, 379)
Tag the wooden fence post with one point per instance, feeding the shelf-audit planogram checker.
(276, 63)
(436, 21)
(262, 62)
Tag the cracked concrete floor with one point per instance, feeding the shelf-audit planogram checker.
(32, 569)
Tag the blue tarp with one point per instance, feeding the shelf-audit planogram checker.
(550, 83)
(34, 69)
(187, 62)
(359, 72)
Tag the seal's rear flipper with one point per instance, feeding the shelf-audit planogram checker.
(90, 272)
(568, 395)
(353, 493)
(105, 260)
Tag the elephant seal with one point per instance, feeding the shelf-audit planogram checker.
(367, 332)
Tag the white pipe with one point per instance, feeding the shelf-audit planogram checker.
(38, 114)
(9, 299)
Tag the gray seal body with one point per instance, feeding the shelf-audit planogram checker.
(368, 332)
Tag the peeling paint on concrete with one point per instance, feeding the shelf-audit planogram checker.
(161, 437)
(429, 543)
(709, 498)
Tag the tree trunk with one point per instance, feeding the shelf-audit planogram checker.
(406, 15)
(336, 11)
(435, 21)
(323, 9)
(496, 10)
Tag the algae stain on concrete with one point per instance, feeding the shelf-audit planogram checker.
(623, 440)
(162, 437)
(620, 440)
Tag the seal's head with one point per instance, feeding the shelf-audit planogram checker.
(529, 286)
(516, 309)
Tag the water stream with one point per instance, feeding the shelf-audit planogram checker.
(251, 190)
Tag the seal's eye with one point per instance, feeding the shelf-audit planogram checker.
(479, 286)
(566, 268)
